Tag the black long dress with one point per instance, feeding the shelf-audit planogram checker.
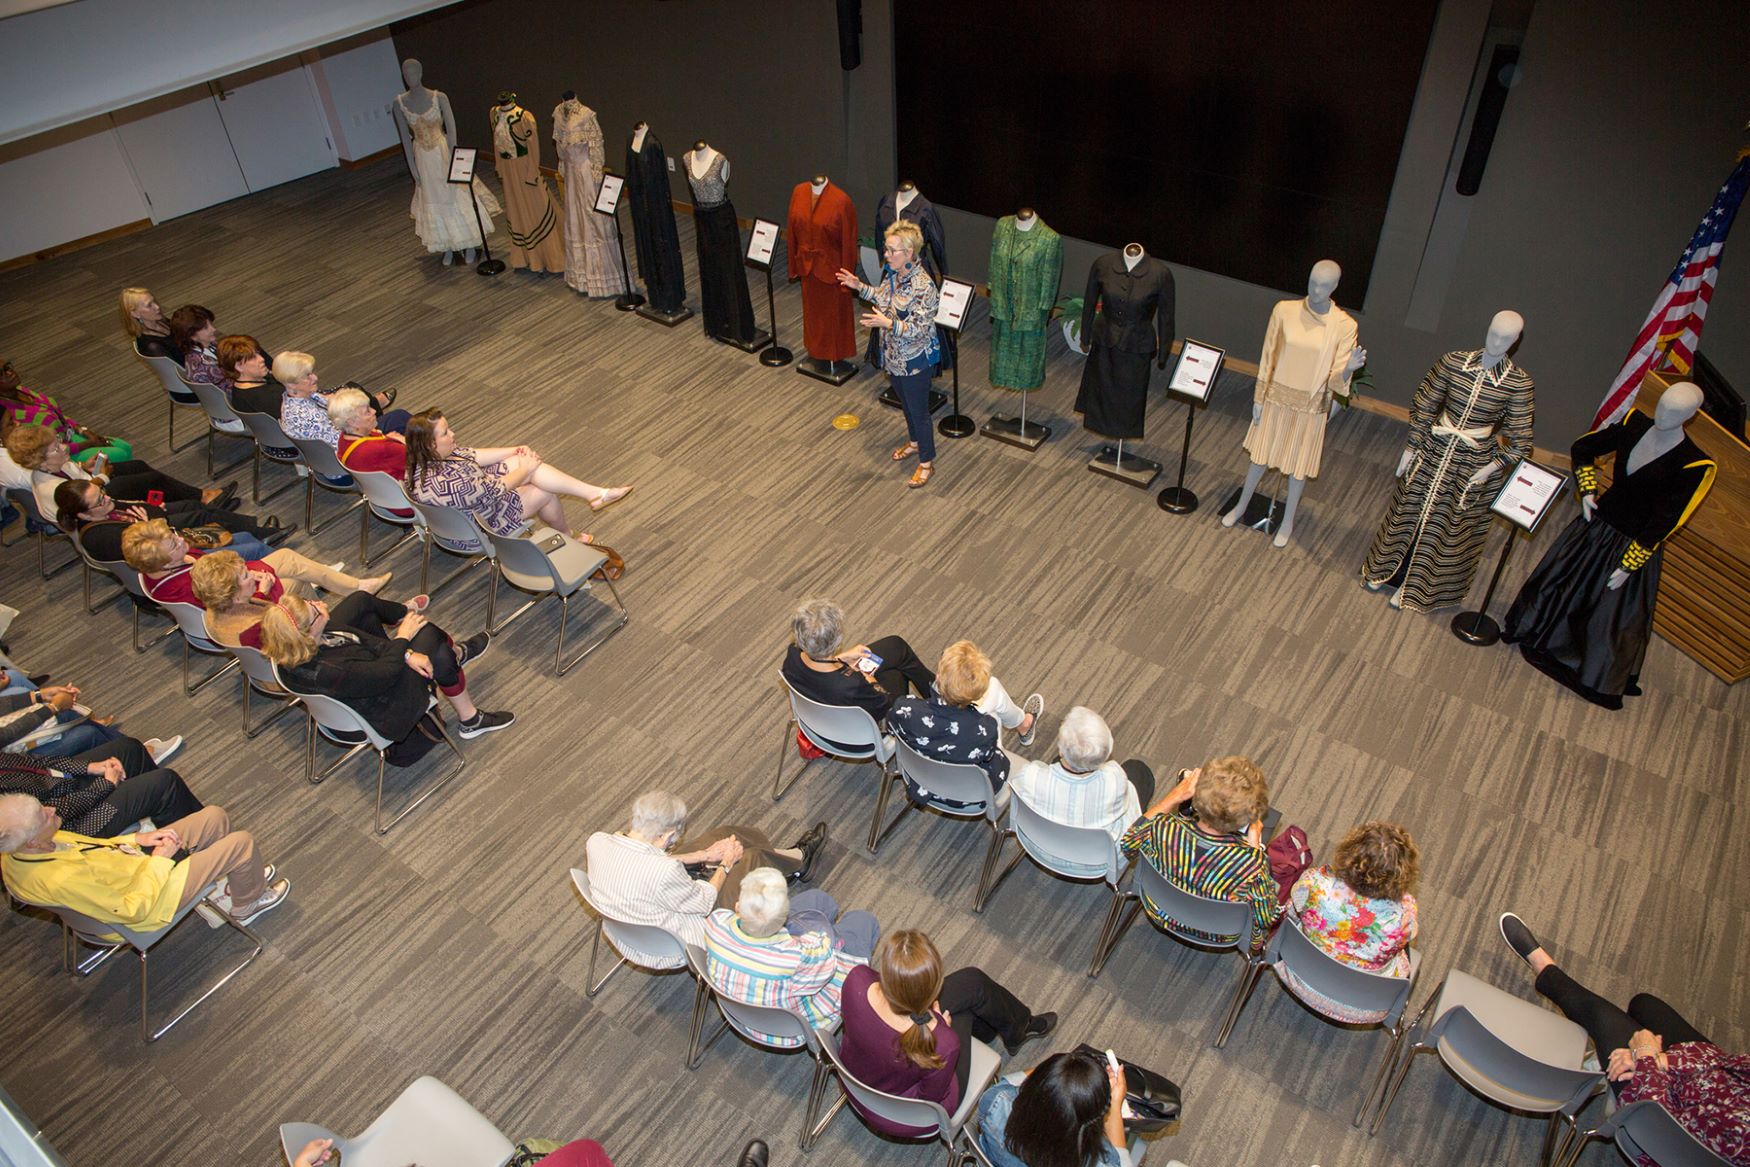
(723, 298)
(1566, 621)
(653, 229)
(1127, 320)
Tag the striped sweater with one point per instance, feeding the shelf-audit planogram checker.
(805, 974)
(1217, 868)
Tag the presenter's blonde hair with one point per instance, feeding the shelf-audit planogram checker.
(908, 235)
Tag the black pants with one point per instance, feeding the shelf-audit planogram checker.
(126, 750)
(375, 616)
(1610, 1028)
(186, 514)
(1142, 778)
(980, 1008)
(133, 478)
(159, 795)
(900, 667)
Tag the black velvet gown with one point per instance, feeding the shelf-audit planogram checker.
(653, 229)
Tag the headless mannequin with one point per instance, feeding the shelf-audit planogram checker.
(699, 160)
(817, 184)
(1133, 254)
(902, 198)
(638, 132)
(418, 99)
(1025, 219)
(1676, 406)
(1320, 284)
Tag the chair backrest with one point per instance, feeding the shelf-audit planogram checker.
(25, 500)
(956, 781)
(753, 1022)
(257, 668)
(1490, 1039)
(1052, 844)
(453, 530)
(91, 561)
(124, 575)
(386, 496)
(192, 620)
(1647, 1128)
(268, 435)
(320, 457)
(623, 934)
(923, 1117)
(1199, 913)
(169, 374)
(842, 725)
(1356, 988)
(429, 1124)
(213, 400)
(332, 715)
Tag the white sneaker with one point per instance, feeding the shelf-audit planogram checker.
(273, 897)
(162, 749)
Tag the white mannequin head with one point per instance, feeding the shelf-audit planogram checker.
(1322, 282)
(1676, 406)
(412, 72)
(1504, 332)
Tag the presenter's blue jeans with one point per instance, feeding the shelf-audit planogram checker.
(913, 387)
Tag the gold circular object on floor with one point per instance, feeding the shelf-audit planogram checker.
(846, 421)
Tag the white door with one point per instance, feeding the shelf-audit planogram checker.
(276, 129)
(180, 153)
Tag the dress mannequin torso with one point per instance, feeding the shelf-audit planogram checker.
(427, 128)
(592, 249)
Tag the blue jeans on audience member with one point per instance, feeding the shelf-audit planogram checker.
(816, 911)
(16, 682)
(247, 545)
(394, 421)
(913, 387)
(86, 736)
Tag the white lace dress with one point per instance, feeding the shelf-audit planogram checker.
(441, 215)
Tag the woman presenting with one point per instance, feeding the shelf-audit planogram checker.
(905, 310)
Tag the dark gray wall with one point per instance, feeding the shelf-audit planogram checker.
(1611, 148)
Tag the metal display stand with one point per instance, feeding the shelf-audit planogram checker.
(1134, 469)
(607, 202)
(1529, 493)
(1192, 382)
(1479, 627)
(462, 163)
(832, 372)
(1176, 499)
(1016, 431)
(1263, 513)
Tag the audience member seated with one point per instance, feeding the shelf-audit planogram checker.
(907, 1029)
(1651, 1053)
(361, 445)
(165, 562)
(144, 321)
(502, 487)
(1069, 1109)
(253, 390)
(1217, 851)
(133, 880)
(1084, 787)
(235, 592)
(870, 676)
(192, 331)
(38, 707)
(103, 791)
(952, 724)
(377, 657)
(304, 410)
(21, 405)
(786, 952)
(635, 876)
(101, 521)
(1359, 910)
(41, 451)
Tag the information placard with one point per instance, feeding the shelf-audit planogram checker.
(1194, 376)
(607, 199)
(762, 242)
(955, 302)
(462, 164)
(1529, 494)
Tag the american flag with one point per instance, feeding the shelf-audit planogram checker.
(1674, 324)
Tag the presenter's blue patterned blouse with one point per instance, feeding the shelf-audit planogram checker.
(910, 302)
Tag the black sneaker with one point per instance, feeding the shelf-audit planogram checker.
(1042, 1024)
(1518, 936)
(278, 538)
(811, 845)
(473, 648)
(485, 722)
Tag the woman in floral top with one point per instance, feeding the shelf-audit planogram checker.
(1359, 910)
(905, 310)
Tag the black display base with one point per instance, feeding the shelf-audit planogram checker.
(1137, 471)
(832, 372)
(1478, 628)
(667, 319)
(957, 425)
(627, 301)
(1012, 431)
(1263, 513)
(890, 398)
(776, 357)
(489, 267)
(753, 344)
(1177, 500)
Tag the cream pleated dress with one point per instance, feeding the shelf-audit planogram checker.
(1304, 362)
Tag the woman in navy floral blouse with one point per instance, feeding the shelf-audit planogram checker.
(905, 310)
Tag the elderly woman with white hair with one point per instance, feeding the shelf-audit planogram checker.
(870, 676)
(1084, 787)
(786, 953)
(645, 874)
(304, 412)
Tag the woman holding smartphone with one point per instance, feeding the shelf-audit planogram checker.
(869, 676)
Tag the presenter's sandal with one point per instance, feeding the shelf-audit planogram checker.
(921, 475)
(905, 451)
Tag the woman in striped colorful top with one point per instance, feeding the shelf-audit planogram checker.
(1216, 852)
(24, 406)
(753, 955)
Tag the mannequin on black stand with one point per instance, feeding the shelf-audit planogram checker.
(1127, 321)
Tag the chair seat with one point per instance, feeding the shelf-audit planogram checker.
(982, 1069)
(1532, 1030)
(971, 809)
(573, 562)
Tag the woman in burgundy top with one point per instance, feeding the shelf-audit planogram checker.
(908, 1030)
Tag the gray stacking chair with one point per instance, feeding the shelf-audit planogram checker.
(130, 582)
(178, 395)
(258, 678)
(191, 620)
(455, 533)
(342, 725)
(1513, 1052)
(958, 782)
(1052, 846)
(44, 529)
(1643, 1128)
(843, 731)
(325, 472)
(384, 496)
(551, 563)
(753, 1022)
(646, 938)
(429, 1124)
(272, 444)
(222, 422)
(91, 566)
(928, 1119)
(1289, 951)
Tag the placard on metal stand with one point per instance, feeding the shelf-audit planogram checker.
(462, 173)
(1530, 493)
(951, 311)
(1192, 382)
(762, 243)
(607, 202)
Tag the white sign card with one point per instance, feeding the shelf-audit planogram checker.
(955, 302)
(1528, 494)
(762, 242)
(607, 200)
(1199, 365)
(462, 164)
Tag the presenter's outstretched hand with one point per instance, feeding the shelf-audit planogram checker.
(849, 279)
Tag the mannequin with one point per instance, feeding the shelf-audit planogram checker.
(823, 240)
(1309, 356)
(1127, 319)
(909, 203)
(592, 240)
(653, 229)
(724, 303)
(537, 238)
(1026, 266)
(1471, 421)
(441, 215)
(1586, 612)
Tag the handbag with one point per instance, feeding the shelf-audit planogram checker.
(416, 745)
(1155, 1100)
(206, 537)
(614, 568)
(1289, 854)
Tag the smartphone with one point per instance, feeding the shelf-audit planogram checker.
(869, 663)
(553, 543)
(1123, 1107)
(155, 498)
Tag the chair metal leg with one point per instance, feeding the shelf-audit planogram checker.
(276, 491)
(42, 558)
(461, 764)
(146, 1030)
(286, 706)
(70, 941)
(160, 638)
(591, 985)
(1385, 1064)
(90, 608)
(1404, 1051)
(779, 787)
(192, 689)
(311, 525)
(816, 1091)
(595, 642)
(876, 831)
(310, 773)
(229, 466)
(701, 1009)
(170, 428)
(824, 1120)
(1008, 870)
(991, 855)
(1113, 930)
(1243, 993)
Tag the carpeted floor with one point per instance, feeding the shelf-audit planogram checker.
(456, 945)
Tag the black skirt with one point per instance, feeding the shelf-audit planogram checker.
(723, 296)
(1571, 626)
(1114, 392)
